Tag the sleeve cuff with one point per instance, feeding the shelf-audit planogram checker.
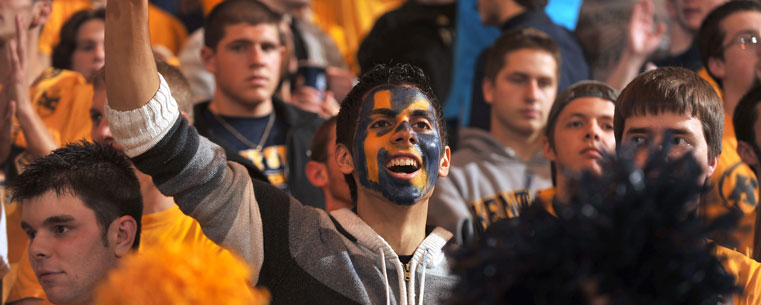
(139, 129)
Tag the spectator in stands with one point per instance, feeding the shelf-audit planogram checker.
(80, 47)
(520, 84)
(517, 14)
(644, 38)
(322, 169)
(728, 45)
(244, 50)
(82, 207)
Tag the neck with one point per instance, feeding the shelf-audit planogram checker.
(732, 97)
(525, 145)
(402, 227)
(510, 10)
(333, 203)
(680, 40)
(225, 105)
(562, 193)
(36, 61)
(153, 200)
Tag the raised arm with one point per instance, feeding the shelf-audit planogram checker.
(642, 38)
(131, 77)
(15, 98)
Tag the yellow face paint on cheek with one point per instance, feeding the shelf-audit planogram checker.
(382, 100)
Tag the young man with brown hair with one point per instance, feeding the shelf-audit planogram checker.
(679, 103)
(520, 84)
(244, 49)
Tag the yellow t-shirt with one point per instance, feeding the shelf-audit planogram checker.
(747, 273)
(733, 185)
(160, 228)
(348, 21)
(62, 99)
(165, 29)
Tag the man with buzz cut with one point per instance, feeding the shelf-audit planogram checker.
(82, 207)
(522, 68)
(244, 49)
(728, 44)
(390, 147)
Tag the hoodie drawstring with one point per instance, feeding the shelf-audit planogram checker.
(385, 275)
(422, 278)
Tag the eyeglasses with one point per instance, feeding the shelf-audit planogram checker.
(746, 42)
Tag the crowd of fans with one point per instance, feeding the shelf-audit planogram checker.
(298, 152)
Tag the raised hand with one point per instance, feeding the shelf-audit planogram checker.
(643, 36)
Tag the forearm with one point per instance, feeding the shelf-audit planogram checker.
(131, 77)
(626, 69)
(39, 141)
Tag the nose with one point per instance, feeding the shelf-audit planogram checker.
(38, 250)
(532, 91)
(101, 132)
(403, 134)
(593, 132)
(257, 55)
(100, 53)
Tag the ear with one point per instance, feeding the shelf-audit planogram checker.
(121, 235)
(209, 59)
(712, 166)
(344, 159)
(717, 67)
(316, 173)
(549, 152)
(41, 13)
(747, 154)
(444, 163)
(487, 85)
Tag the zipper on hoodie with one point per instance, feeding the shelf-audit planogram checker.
(406, 272)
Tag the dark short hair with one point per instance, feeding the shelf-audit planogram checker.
(673, 90)
(399, 74)
(97, 174)
(746, 115)
(231, 12)
(588, 88)
(319, 148)
(710, 38)
(532, 4)
(513, 40)
(67, 44)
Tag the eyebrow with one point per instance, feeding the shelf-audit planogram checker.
(673, 131)
(58, 219)
(746, 31)
(384, 111)
(423, 113)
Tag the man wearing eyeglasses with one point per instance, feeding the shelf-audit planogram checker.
(728, 44)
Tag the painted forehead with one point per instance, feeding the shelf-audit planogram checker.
(396, 98)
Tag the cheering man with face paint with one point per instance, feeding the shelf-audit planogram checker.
(390, 148)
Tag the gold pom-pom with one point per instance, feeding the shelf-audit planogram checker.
(182, 275)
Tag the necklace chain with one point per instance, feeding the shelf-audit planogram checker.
(243, 139)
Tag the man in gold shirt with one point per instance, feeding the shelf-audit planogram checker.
(162, 220)
(727, 42)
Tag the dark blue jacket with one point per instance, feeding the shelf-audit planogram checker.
(573, 64)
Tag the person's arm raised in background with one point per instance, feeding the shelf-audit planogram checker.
(15, 98)
(642, 38)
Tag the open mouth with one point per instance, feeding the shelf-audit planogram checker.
(403, 165)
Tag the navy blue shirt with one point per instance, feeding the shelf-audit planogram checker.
(573, 68)
(272, 159)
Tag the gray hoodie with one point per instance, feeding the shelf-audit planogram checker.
(301, 254)
(486, 178)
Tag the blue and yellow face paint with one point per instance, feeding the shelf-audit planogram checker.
(397, 146)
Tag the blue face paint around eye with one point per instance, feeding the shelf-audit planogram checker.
(397, 146)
